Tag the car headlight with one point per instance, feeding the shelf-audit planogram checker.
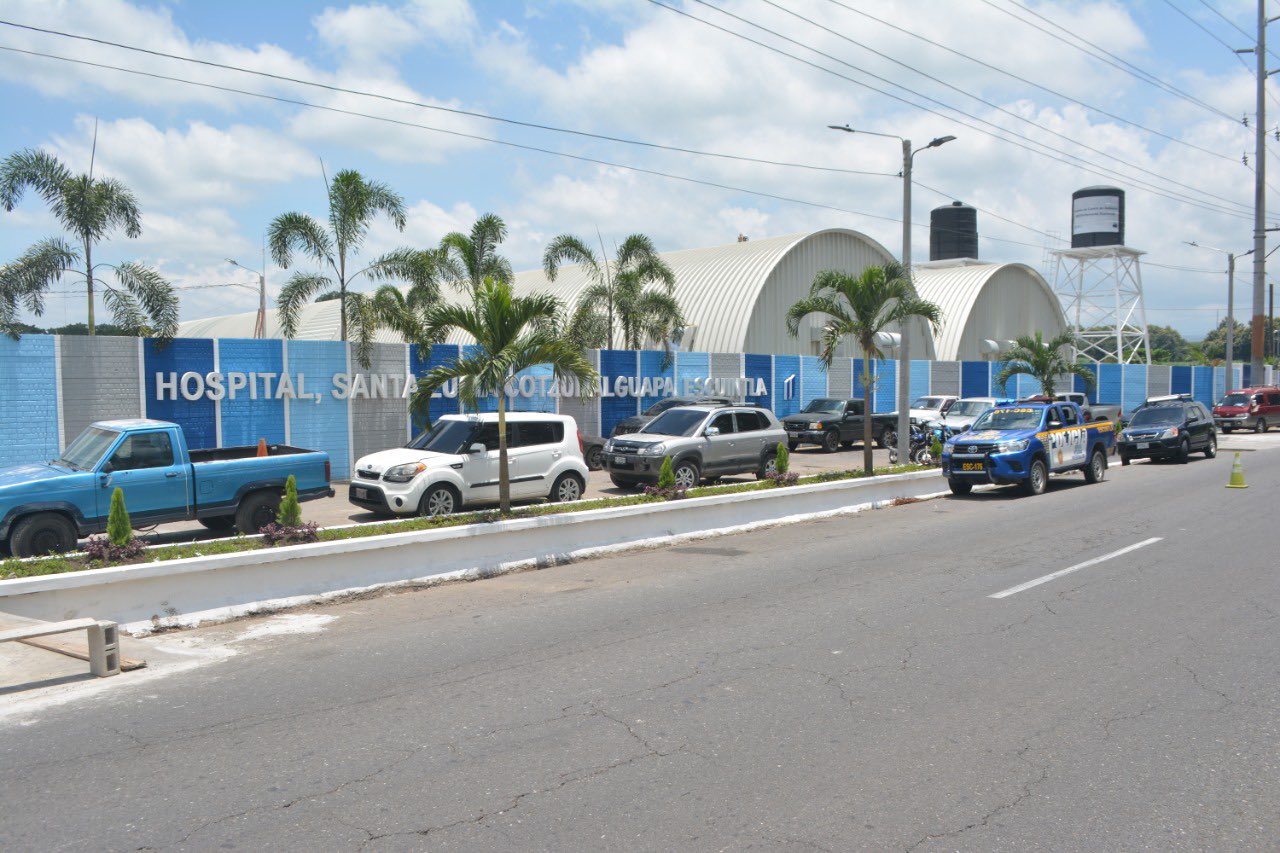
(815, 425)
(654, 450)
(1171, 432)
(403, 473)
(1013, 446)
(608, 446)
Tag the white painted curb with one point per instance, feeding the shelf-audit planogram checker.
(223, 586)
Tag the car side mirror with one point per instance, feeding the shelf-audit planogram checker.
(476, 449)
(711, 431)
(107, 468)
(1054, 424)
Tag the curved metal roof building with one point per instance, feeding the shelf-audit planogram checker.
(735, 298)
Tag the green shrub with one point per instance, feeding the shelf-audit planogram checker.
(666, 476)
(290, 512)
(119, 530)
(936, 450)
(783, 458)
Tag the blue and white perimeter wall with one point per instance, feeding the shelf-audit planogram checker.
(53, 387)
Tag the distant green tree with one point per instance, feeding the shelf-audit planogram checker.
(1168, 346)
(468, 260)
(1214, 345)
(119, 530)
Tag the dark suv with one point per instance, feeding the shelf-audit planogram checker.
(635, 423)
(1169, 428)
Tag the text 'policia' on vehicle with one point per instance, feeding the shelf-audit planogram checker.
(1023, 443)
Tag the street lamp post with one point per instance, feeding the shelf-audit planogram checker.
(260, 324)
(1231, 303)
(904, 344)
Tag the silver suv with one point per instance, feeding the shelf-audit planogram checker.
(704, 442)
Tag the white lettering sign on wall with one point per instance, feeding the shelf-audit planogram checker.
(192, 386)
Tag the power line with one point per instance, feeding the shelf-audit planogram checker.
(984, 101)
(1114, 61)
(1084, 165)
(436, 107)
(1252, 37)
(1215, 37)
(1032, 83)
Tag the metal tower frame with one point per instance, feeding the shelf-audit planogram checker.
(1100, 288)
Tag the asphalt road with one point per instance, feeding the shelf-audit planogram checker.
(841, 684)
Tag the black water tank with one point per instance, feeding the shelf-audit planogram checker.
(1097, 217)
(953, 232)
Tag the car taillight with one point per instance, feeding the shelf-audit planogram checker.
(326, 471)
(582, 445)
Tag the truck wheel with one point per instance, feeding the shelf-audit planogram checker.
(1261, 425)
(959, 487)
(1211, 449)
(623, 482)
(1037, 479)
(1097, 468)
(218, 523)
(768, 467)
(1184, 452)
(595, 458)
(888, 438)
(568, 487)
(687, 475)
(256, 512)
(440, 499)
(831, 441)
(42, 533)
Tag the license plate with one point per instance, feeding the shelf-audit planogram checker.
(1143, 445)
(362, 493)
(972, 466)
(619, 460)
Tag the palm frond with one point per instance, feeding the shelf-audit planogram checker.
(363, 320)
(126, 311)
(25, 280)
(155, 295)
(34, 169)
(298, 232)
(567, 248)
(296, 293)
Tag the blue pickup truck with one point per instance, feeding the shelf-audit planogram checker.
(1023, 443)
(45, 507)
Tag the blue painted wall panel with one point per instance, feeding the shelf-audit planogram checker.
(691, 366)
(1110, 385)
(244, 419)
(28, 400)
(533, 386)
(320, 423)
(1028, 386)
(1202, 384)
(615, 363)
(859, 390)
(760, 367)
(813, 374)
(1009, 389)
(651, 365)
(886, 373)
(919, 378)
(786, 366)
(1135, 385)
(1090, 390)
(439, 354)
(1180, 382)
(196, 417)
(483, 404)
(975, 379)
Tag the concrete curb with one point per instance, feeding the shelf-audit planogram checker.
(224, 586)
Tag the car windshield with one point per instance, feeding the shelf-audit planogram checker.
(968, 408)
(684, 422)
(1234, 400)
(1020, 418)
(1157, 416)
(89, 446)
(927, 403)
(447, 436)
(824, 407)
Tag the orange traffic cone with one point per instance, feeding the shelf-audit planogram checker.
(262, 447)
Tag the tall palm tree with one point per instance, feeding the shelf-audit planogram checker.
(468, 259)
(141, 301)
(635, 295)
(353, 204)
(512, 333)
(861, 307)
(1043, 360)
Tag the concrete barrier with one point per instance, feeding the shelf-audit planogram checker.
(223, 586)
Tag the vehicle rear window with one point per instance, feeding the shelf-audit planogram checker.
(530, 433)
(751, 422)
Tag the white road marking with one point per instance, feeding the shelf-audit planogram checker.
(1022, 587)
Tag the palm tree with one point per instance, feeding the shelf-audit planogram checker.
(635, 295)
(511, 333)
(861, 307)
(1043, 360)
(353, 203)
(466, 260)
(141, 301)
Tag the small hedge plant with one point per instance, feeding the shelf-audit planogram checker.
(120, 543)
(289, 528)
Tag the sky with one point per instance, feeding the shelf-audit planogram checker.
(211, 168)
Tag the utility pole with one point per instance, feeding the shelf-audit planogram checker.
(1231, 305)
(1260, 201)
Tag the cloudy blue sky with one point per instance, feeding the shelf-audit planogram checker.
(211, 168)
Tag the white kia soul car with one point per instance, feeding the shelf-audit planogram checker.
(455, 464)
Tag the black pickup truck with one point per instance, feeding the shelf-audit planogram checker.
(833, 423)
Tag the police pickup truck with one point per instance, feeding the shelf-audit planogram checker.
(1023, 443)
